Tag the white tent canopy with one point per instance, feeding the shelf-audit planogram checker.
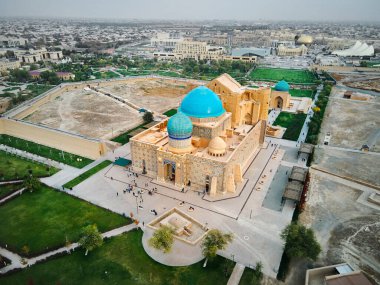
(358, 49)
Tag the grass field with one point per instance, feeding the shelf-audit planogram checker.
(13, 167)
(124, 137)
(45, 151)
(46, 218)
(302, 93)
(170, 112)
(294, 76)
(37, 89)
(293, 124)
(133, 72)
(121, 260)
(11, 89)
(87, 174)
(248, 277)
(105, 75)
(8, 189)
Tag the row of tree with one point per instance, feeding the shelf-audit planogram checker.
(319, 111)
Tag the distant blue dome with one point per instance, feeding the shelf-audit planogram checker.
(202, 102)
(282, 86)
(180, 126)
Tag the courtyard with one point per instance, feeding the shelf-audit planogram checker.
(246, 215)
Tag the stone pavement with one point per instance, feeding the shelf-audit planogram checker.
(256, 228)
(16, 259)
(181, 254)
(236, 274)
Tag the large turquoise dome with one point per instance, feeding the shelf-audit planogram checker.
(282, 86)
(201, 102)
(180, 126)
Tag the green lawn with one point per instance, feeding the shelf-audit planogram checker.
(45, 151)
(105, 75)
(294, 76)
(293, 124)
(11, 89)
(302, 93)
(170, 112)
(37, 89)
(121, 260)
(248, 277)
(44, 219)
(87, 174)
(8, 189)
(13, 167)
(133, 72)
(168, 73)
(124, 137)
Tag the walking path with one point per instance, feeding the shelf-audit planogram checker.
(310, 113)
(34, 157)
(12, 195)
(273, 116)
(236, 275)
(16, 259)
(10, 182)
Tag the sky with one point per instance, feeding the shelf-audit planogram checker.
(251, 10)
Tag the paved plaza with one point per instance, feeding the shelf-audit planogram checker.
(256, 216)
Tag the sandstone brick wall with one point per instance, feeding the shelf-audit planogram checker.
(60, 140)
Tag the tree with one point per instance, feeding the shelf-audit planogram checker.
(50, 77)
(300, 242)
(19, 75)
(162, 239)
(31, 183)
(91, 238)
(148, 117)
(215, 240)
(257, 275)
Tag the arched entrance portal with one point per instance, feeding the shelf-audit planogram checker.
(248, 119)
(278, 102)
(169, 170)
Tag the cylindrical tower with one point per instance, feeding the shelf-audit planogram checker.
(180, 129)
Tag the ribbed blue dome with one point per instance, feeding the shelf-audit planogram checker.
(180, 126)
(282, 86)
(202, 102)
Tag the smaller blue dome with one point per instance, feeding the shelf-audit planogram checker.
(180, 126)
(282, 86)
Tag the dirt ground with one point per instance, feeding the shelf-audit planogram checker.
(154, 94)
(361, 81)
(348, 231)
(352, 124)
(98, 116)
(356, 165)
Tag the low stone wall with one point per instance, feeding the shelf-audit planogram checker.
(90, 148)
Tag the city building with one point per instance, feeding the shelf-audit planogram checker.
(283, 50)
(7, 64)
(280, 98)
(166, 41)
(304, 40)
(338, 274)
(12, 42)
(33, 56)
(209, 143)
(5, 103)
(197, 50)
(35, 74)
